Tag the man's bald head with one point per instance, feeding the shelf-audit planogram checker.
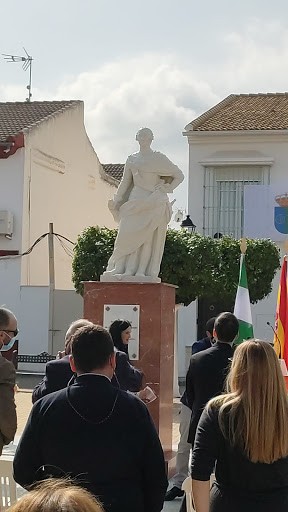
(5, 316)
(77, 324)
(8, 326)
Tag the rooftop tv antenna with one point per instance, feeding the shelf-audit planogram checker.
(27, 64)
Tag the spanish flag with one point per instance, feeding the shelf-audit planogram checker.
(281, 323)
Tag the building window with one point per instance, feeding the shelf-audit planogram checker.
(224, 197)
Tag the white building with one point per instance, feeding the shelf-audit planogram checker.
(242, 141)
(49, 172)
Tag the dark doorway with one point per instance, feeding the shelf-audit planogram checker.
(209, 307)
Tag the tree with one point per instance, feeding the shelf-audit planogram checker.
(200, 266)
(262, 261)
(188, 262)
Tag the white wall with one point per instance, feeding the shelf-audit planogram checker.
(63, 186)
(10, 275)
(187, 334)
(33, 321)
(68, 306)
(11, 199)
(11, 185)
(241, 148)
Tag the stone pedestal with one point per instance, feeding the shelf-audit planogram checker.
(157, 315)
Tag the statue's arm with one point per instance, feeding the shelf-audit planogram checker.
(125, 186)
(122, 193)
(175, 174)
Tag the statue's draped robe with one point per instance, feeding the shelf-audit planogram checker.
(144, 210)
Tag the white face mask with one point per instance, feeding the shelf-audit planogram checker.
(5, 348)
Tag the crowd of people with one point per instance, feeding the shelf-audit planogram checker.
(90, 445)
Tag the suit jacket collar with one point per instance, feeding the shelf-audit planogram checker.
(221, 345)
(92, 379)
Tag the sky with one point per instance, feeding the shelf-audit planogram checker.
(155, 63)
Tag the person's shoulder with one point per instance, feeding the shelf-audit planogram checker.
(132, 402)
(52, 398)
(120, 355)
(132, 157)
(202, 357)
(211, 410)
(202, 354)
(56, 363)
(201, 344)
(6, 367)
(160, 156)
(121, 359)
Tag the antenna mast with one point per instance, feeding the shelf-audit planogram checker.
(27, 63)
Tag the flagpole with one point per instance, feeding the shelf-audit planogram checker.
(286, 250)
(243, 246)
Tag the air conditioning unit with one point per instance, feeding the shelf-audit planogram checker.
(6, 223)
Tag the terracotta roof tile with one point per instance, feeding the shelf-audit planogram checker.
(114, 171)
(245, 112)
(18, 116)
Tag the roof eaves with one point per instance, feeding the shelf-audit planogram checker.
(47, 117)
(209, 113)
(105, 176)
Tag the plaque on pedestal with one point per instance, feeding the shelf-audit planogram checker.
(125, 312)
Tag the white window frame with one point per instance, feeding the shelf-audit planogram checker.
(223, 204)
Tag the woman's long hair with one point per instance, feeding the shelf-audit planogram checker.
(253, 415)
(115, 329)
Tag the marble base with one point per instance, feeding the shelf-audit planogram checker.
(156, 328)
(115, 278)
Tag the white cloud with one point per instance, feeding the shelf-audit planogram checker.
(122, 96)
(151, 90)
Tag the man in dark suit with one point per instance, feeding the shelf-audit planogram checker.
(208, 369)
(58, 373)
(99, 435)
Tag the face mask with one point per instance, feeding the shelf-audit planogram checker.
(5, 348)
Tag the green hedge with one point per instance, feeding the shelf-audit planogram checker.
(200, 266)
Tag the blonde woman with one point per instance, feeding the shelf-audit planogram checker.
(245, 432)
(54, 495)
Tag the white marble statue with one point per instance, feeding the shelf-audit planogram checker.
(142, 208)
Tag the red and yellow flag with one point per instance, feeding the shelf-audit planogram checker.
(281, 323)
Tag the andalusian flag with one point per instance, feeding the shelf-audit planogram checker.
(281, 325)
(242, 308)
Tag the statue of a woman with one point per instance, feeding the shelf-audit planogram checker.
(142, 207)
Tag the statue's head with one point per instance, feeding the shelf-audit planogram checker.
(144, 136)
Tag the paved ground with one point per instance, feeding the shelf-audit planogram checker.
(24, 404)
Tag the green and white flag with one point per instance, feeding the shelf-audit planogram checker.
(242, 308)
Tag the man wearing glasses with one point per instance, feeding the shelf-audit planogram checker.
(8, 418)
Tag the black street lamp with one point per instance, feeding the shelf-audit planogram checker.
(188, 224)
